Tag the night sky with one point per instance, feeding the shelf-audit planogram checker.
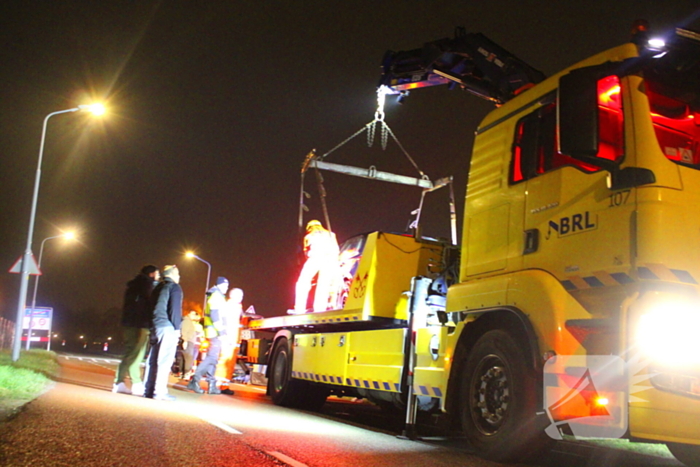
(212, 108)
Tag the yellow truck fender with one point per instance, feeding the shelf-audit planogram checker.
(479, 322)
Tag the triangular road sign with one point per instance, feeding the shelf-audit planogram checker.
(33, 268)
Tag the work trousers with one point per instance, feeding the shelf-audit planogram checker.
(227, 359)
(190, 354)
(135, 341)
(160, 361)
(207, 369)
(327, 269)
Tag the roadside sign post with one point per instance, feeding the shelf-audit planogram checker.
(30, 267)
(38, 319)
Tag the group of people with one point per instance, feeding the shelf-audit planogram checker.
(152, 314)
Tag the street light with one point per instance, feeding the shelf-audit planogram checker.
(189, 254)
(96, 109)
(67, 236)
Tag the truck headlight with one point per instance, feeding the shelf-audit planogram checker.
(668, 333)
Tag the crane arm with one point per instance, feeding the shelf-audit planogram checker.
(470, 61)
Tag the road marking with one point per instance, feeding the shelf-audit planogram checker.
(223, 426)
(287, 459)
(284, 458)
(100, 362)
(92, 359)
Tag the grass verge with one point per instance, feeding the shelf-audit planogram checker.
(25, 379)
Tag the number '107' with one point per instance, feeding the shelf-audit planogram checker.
(619, 198)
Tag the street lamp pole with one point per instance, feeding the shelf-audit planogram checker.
(192, 255)
(36, 286)
(24, 271)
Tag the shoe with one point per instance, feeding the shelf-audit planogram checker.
(137, 389)
(194, 386)
(120, 388)
(213, 389)
(227, 391)
(164, 397)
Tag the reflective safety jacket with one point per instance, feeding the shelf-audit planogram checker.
(213, 324)
(319, 242)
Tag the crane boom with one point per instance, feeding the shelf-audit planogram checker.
(470, 61)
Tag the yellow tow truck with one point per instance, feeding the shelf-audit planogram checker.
(581, 237)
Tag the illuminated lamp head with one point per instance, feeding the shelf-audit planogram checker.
(656, 43)
(666, 333)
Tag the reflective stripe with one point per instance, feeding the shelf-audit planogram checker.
(359, 383)
(654, 272)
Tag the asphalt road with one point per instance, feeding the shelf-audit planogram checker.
(81, 423)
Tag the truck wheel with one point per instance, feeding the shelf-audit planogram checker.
(498, 400)
(281, 384)
(287, 391)
(689, 454)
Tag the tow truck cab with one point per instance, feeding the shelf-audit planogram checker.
(579, 238)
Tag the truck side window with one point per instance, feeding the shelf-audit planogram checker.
(677, 128)
(610, 119)
(535, 145)
(525, 148)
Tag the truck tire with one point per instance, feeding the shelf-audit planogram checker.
(281, 384)
(287, 391)
(689, 454)
(498, 400)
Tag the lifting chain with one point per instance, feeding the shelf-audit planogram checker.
(370, 128)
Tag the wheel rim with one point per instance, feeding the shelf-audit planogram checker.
(489, 394)
(279, 372)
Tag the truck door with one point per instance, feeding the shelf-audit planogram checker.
(575, 227)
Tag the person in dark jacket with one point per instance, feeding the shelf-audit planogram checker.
(167, 319)
(136, 322)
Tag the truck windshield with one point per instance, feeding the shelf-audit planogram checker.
(672, 85)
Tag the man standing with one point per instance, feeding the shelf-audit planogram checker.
(192, 333)
(214, 329)
(136, 321)
(231, 317)
(321, 249)
(167, 317)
